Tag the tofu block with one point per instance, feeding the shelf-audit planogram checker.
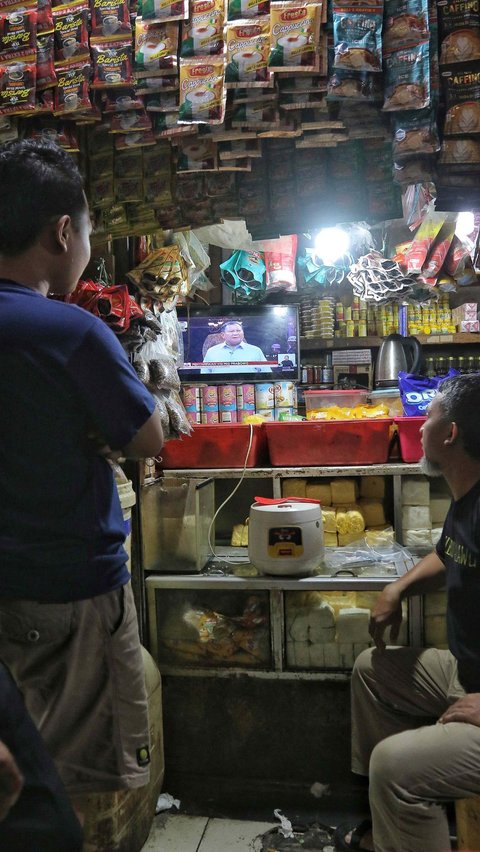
(348, 538)
(439, 507)
(294, 487)
(331, 655)
(417, 538)
(416, 518)
(329, 521)
(330, 539)
(352, 625)
(317, 656)
(347, 656)
(310, 623)
(322, 635)
(349, 519)
(436, 533)
(298, 654)
(320, 491)
(373, 512)
(343, 490)
(236, 540)
(245, 535)
(415, 491)
(378, 536)
(373, 487)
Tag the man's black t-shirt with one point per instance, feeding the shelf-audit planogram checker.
(459, 550)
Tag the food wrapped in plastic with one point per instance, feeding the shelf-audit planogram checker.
(178, 421)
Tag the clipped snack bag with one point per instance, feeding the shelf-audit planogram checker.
(407, 77)
(156, 46)
(461, 87)
(202, 91)
(112, 62)
(17, 83)
(416, 255)
(405, 22)
(248, 47)
(294, 36)
(358, 39)
(415, 132)
(439, 252)
(417, 392)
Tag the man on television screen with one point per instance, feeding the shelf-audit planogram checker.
(232, 350)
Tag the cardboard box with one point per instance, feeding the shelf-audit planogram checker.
(469, 325)
(468, 311)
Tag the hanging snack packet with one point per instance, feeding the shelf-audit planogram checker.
(440, 249)
(417, 392)
(417, 253)
(202, 91)
(294, 36)
(115, 101)
(358, 39)
(202, 34)
(156, 46)
(162, 102)
(459, 30)
(71, 31)
(258, 116)
(248, 47)
(71, 91)
(407, 78)
(247, 9)
(17, 84)
(163, 10)
(44, 17)
(166, 124)
(415, 133)
(461, 152)
(197, 156)
(18, 30)
(130, 122)
(461, 87)
(46, 75)
(405, 22)
(112, 63)
(110, 17)
(354, 86)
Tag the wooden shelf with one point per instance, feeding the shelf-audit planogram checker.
(311, 343)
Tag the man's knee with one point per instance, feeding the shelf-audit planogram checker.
(363, 664)
(393, 762)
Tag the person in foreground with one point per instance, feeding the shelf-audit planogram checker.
(70, 399)
(416, 711)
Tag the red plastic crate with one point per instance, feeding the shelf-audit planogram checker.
(217, 446)
(334, 442)
(410, 438)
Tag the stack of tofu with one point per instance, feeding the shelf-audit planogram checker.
(351, 508)
(424, 508)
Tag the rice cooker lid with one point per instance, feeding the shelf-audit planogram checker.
(290, 511)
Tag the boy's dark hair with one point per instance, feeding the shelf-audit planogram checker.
(459, 398)
(39, 182)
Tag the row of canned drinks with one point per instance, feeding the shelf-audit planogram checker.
(233, 403)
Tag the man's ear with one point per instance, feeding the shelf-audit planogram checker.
(62, 232)
(453, 435)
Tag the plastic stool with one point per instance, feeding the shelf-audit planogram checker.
(121, 821)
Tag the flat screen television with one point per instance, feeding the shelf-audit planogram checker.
(230, 343)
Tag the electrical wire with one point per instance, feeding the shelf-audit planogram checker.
(227, 500)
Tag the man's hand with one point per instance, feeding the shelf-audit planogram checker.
(466, 709)
(387, 612)
(11, 781)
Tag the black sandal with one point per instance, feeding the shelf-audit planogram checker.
(357, 835)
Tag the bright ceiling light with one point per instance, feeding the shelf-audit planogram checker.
(331, 244)
(465, 224)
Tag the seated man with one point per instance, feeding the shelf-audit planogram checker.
(234, 348)
(416, 711)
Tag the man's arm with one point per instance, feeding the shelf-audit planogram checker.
(428, 575)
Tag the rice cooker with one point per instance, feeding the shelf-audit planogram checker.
(285, 537)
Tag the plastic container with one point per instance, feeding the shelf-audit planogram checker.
(127, 501)
(315, 399)
(390, 397)
(410, 438)
(333, 442)
(217, 446)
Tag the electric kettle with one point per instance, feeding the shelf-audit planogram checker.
(395, 354)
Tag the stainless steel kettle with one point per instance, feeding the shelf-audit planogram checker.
(397, 353)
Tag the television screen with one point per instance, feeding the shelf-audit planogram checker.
(235, 342)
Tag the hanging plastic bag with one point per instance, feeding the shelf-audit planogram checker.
(417, 392)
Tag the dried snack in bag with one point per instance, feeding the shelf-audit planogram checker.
(346, 85)
(202, 91)
(202, 34)
(358, 39)
(440, 249)
(294, 36)
(248, 47)
(405, 22)
(461, 86)
(162, 275)
(415, 133)
(156, 46)
(407, 78)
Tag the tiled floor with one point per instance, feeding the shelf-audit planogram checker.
(182, 833)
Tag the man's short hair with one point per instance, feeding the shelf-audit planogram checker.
(39, 182)
(459, 398)
(231, 322)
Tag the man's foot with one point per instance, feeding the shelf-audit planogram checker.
(358, 838)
